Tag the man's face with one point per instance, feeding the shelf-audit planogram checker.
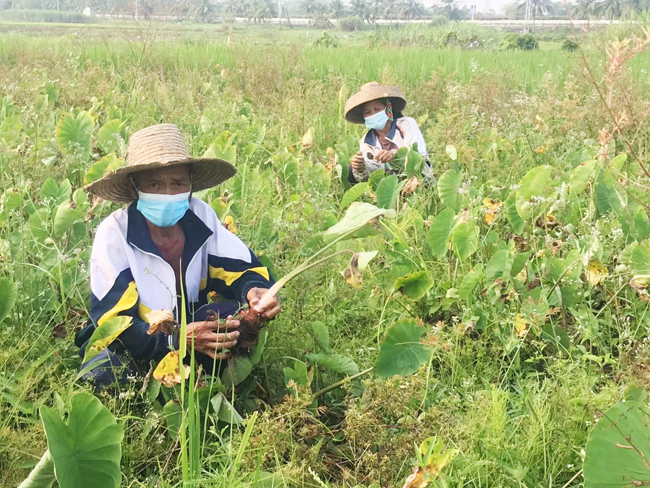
(164, 181)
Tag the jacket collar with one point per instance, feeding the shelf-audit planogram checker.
(196, 233)
(372, 138)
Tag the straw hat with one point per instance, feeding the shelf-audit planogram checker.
(369, 92)
(158, 146)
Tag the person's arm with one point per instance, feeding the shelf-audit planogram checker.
(114, 293)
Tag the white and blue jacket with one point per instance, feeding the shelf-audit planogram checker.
(128, 275)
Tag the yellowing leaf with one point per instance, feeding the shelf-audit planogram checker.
(521, 326)
(358, 263)
(229, 223)
(105, 334)
(168, 371)
(161, 321)
(596, 273)
(308, 139)
(639, 283)
(492, 208)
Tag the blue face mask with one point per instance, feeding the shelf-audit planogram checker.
(377, 121)
(163, 210)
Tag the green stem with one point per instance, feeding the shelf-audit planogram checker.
(566, 271)
(334, 386)
(42, 476)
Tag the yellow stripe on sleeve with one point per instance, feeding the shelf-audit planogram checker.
(143, 310)
(204, 283)
(126, 301)
(230, 276)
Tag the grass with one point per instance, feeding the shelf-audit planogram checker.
(519, 409)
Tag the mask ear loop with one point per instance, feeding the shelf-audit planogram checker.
(135, 187)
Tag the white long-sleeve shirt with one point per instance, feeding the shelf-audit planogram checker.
(404, 132)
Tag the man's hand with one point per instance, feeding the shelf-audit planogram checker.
(269, 311)
(384, 156)
(357, 162)
(209, 341)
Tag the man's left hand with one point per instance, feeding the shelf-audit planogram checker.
(269, 311)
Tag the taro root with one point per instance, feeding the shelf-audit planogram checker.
(251, 322)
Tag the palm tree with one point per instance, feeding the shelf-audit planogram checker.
(538, 7)
(610, 8)
(359, 8)
(585, 9)
(411, 9)
(449, 9)
(337, 9)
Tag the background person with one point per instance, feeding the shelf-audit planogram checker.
(379, 108)
(166, 243)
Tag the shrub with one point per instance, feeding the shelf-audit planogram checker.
(438, 20)
(569, 45)
(326, 41)
(525, 42)
(350, 24)
(26, 15)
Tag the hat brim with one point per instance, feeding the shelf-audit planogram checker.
(354, 114)
(116, 187)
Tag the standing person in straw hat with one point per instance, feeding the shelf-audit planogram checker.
(379, 108)
(164, 245)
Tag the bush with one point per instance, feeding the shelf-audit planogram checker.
(326, 41)
(525, 42)
(350, 24)
(438, 20)
(27, 15)
(569, 45)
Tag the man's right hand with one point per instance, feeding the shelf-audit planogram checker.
(208, 341)
(357, 162)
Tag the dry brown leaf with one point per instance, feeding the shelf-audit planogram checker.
(161, 321)
(416, 479)
(596, 273)
(521, 326)
(411, 185)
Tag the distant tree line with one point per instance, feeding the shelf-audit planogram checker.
(321, 11)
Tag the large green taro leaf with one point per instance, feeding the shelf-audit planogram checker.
(618, 449)
(354, 193)
(402, 353)
(73, 134)
(87, 451)
(448, 186)
(441, 228)
(8, 296)
(356, 217)
(536, 183)
(414, 285)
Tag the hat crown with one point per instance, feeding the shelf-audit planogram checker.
(162, 143)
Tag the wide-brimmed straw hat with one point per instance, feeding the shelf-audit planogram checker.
(159, 146)
(369, 92)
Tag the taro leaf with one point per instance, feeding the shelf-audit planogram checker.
(335, 362)
(557, 336)
(414, 285)
(54, 192)
(108, 137)
(298, 374)
(321, 336)
(222, 148)
(8, 296)
(441, 228)
(73, 134)
(613, 169)
(518, 263)
(238, 370)
(105, 334)
(168, 371)
(581, 175)
(637, 257)
(354, 193)
(224, 410)
(356, 216)
(37, 224)
(414, 163)
(353, 274)
(464, 240)
(49, 154)
(618, 448)
(448, 186)
(401, 352)
(516, 222)
(375, 178)
(173, 415)
(80, 198)
(258, 350)
(88, 448)
(388, 192)
(536, 183)
(105, 165)
(451, 152)
(66, 215)
(471, 279)
(606, 198)
(499, 265)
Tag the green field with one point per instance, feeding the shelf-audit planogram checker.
(504, 312)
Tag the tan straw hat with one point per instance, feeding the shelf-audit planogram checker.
(369, 92)
(158, 146)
